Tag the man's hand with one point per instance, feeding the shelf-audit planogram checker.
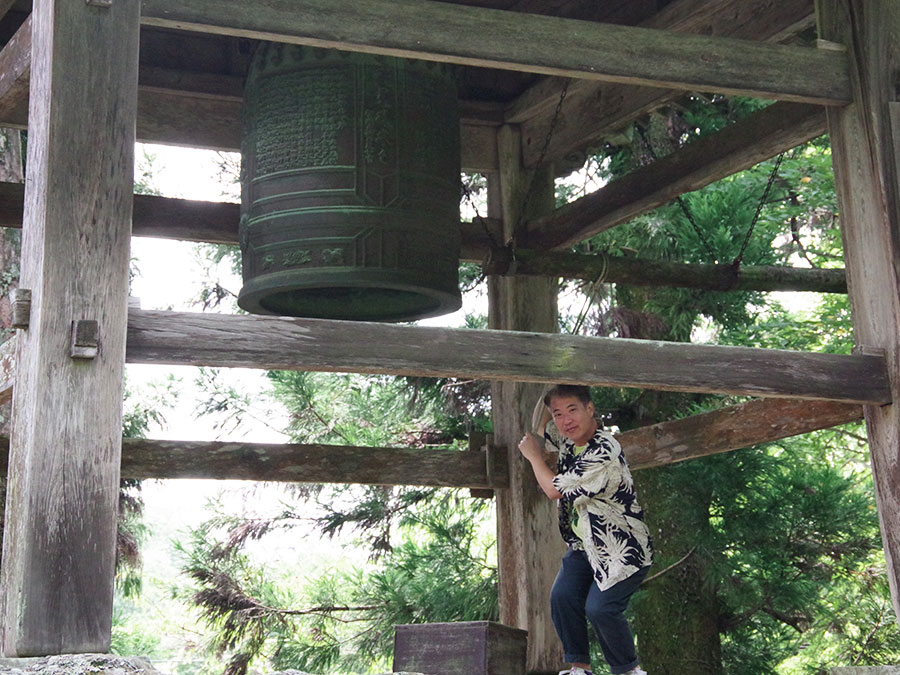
(531, 447)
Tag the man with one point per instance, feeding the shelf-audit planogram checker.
(609, 548)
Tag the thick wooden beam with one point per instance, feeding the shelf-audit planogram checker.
(731, 428)
(764, 134)
(144, 458)
(640, 272)
(594, 109)
(7, 369)
(865, 140)
(530, 43)
(528, 543)
(57, 577)
(15, 73)
(279, 343)
(203, 110)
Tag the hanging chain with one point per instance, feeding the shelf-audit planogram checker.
(541, 157)
(681, 202)
(467, 194)
(759, 208)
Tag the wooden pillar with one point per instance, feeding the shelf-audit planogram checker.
(529, 544)
(56, 585)
(865, 140)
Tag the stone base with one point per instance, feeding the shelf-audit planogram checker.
(867, 670)
(96, 664)
(78, 664)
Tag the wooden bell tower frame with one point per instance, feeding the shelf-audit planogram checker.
(87, 77)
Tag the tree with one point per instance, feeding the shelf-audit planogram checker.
(741, 580)
(432, 550)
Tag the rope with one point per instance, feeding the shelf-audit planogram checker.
(592, 290)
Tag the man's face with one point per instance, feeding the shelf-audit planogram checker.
(573, 418)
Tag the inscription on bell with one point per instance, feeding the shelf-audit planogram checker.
(333, 256)
(300, 117)
(350, 178)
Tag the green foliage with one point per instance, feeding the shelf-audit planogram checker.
(143, 173)
(340, 621)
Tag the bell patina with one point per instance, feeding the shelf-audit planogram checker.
(350, 186)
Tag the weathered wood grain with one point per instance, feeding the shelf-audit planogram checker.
(642, 272)
(145, 458)
(865, 139)
(57, 577)
(531, 43)
(764, 134)
(15, 73)
(731, 428)
(528, 543)
(594, 109)
(203, 110)
(7, 369)
(280, 343)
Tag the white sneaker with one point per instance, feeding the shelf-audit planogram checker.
(577, 671)
(636, 671)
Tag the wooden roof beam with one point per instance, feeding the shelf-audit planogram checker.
(531, 43)
(279, 343)
(739, 146)
(595, 109)
(15, 73)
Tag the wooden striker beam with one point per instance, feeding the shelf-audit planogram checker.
(56, 581)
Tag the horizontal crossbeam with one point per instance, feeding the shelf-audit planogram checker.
(279, 343)
(740, 146)
(730, 428)
(594, 109)
(530, 43)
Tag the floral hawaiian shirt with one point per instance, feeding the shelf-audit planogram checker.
(599, 512)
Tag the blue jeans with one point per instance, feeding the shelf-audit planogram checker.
(576, 598)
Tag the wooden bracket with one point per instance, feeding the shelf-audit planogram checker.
(21, 307)
(477, 443)
(868, 350)
(85, 339)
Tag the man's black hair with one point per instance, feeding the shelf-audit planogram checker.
(578, 391)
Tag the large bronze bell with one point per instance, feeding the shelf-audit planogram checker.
(350, 186)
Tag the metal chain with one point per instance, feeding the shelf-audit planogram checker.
(542, 156)
(467, 194)
(681, 202)
(759, 208)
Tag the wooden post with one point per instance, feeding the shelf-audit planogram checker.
(56, 585)
(529, 544)
(865, 139)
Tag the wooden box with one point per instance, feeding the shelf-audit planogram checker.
(460, 648)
